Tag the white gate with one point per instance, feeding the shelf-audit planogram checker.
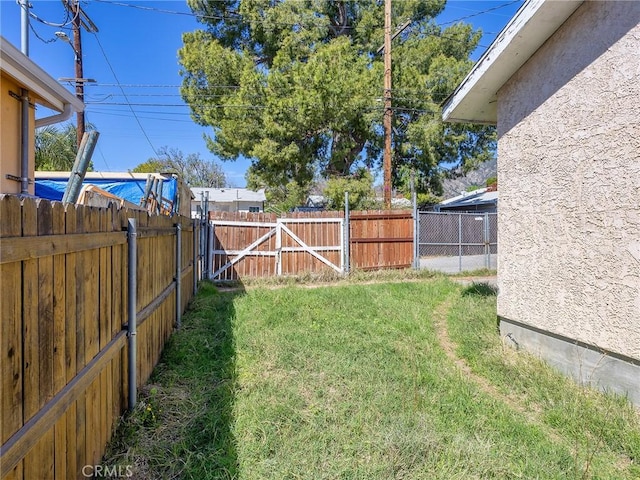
(288, 246)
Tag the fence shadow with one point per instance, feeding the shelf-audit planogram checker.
(192, 390)
(211, 361)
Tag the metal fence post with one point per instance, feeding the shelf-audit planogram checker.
(132, 235)
(178, 275)
(416, 228)
(487, 247)
(459, 242)
(195, 256)
(278, 246)
(201, 247)
(347, 234)
(209, 251)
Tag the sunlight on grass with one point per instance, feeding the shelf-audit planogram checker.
(352, 381)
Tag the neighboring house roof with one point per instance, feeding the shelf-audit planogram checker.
(316, 201)
(229, 195)
(43, 88)
(475, 99)
(477, 197)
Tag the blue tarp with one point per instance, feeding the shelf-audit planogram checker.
(131, 189)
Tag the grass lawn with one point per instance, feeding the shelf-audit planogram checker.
(396, 380)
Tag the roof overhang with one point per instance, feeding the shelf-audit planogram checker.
(43, 88)
(475, 99)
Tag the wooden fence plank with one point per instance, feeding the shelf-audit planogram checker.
(31, 372)
(32, 309)
(11, 336)
(79, 407)
(45, 308)
(43, 452)
(59, 341)
(70, 343)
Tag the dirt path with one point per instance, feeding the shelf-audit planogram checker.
(449, 347)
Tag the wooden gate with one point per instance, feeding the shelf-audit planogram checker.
(286, 246)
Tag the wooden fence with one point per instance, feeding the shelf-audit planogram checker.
(381, 239)
(63, 340)
(262, 245)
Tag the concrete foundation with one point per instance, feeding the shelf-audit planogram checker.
(587, 364)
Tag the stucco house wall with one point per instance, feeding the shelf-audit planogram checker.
(569, 222)
(569, 170)
(562, 84)
(10, 145)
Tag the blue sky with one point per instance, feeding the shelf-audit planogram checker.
(133, 58)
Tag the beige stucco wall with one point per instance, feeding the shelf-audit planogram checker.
(569, 176)
(10, 139)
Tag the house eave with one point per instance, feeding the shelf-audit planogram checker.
(44, 88)
(475, 99)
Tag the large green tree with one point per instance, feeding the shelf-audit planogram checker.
(296, 86)
(192, 168)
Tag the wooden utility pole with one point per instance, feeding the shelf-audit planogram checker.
(388, 113)
(80, 19)
(74, 6)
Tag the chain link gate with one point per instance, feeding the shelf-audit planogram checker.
(457, 242)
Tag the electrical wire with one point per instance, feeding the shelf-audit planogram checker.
(68, 20)
(173, 12)
(497, 7)
(51, 40)
(118, 82)
(238, 17)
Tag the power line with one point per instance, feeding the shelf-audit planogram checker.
(51, 40)
(67, 21)
(125, 96)
(239, 17)
(497, 7)
(172, 12)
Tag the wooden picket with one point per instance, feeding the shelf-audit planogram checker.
(63, 342)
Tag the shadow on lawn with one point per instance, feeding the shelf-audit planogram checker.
(199, 364)
(213, 442)
(480, 289)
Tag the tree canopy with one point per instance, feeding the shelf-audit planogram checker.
(56, 148)
(296, 86)
(192, 168)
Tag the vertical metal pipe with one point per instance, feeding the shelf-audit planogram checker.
(279, 246)
(347, 234)
(487, 248)
(195, 256)
(459, 242)
(178, 275)
(24, 26)
(24, 156)
(416, 226)
(24, 47)
(210, 250)
(132, 236)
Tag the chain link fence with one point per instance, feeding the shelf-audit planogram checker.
(457, 242)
